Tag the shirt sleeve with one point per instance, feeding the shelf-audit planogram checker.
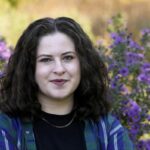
(8, 138)
(118, 138)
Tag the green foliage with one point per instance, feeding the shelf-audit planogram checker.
(13, 3)
(116, 23)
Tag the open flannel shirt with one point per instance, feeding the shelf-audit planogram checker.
(107, 134)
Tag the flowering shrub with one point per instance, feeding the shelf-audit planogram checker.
(129, 74)
(5, 53)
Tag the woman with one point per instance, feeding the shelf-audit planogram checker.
(54, 93)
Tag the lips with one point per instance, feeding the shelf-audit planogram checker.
(59, 82)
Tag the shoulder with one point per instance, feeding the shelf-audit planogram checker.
(6, 120)
(112, 125)
(110, 122)
(9, 124)
(10, 132)
(113, 133)
(109, 125)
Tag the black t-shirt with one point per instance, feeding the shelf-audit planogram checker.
(48, 137)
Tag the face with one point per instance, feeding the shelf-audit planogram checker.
(57, 67)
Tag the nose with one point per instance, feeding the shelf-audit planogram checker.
(59, 68)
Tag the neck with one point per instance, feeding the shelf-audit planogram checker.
(58, 107)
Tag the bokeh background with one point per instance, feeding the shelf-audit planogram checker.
(93, 15)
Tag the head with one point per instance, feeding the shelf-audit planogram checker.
(57, 72)
(19, 87)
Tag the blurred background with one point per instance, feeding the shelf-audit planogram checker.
(93, 15)
(109, 24)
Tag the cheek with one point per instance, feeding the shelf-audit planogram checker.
(76, 72)
(40, 73)
(73, 69)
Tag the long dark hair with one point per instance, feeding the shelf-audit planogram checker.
(19, 89)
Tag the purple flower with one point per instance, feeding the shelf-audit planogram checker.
(5, 55)
(140, 145)
(4, 51)
(134, 129)
(146, 69)
(143, 145)
(2, 46)
(144, 76)
(132, 110)
(114, 35)
(133, 58)
(117, 77)
(145, 32)
(148, 144)
(146, 65)
(117, 39)
(112, 66)
(124, 71)
(134, 45)
(148, 117)
(113, 84)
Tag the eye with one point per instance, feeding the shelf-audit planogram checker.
(45, 60)
(68, 58)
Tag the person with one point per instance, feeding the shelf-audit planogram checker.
(54, 94)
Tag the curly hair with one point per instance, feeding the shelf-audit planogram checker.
(19, 89)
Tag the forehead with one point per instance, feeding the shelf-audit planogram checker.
(54, 43)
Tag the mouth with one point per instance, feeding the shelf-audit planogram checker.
(59, 82)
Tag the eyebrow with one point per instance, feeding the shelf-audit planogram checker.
(74, 52)
(47, 55)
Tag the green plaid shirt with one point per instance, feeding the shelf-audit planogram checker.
(107, 134)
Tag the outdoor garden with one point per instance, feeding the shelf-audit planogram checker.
(128, 62)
